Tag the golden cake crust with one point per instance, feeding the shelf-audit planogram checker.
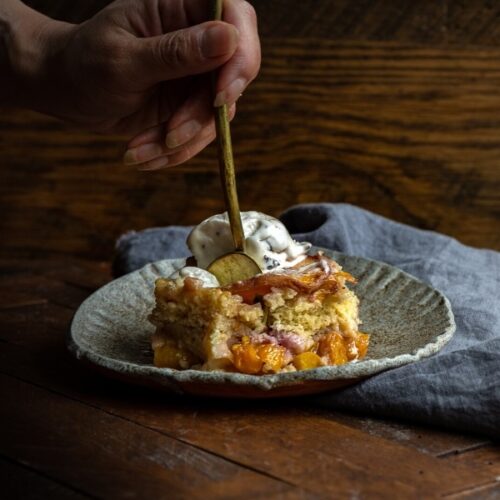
(301, 318)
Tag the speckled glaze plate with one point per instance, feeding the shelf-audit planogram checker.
(407, 320)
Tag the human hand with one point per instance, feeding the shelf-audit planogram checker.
(140, 67)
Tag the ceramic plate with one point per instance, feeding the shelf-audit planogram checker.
(407, 320)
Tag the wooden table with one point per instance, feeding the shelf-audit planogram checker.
(68, 433)
(392, 105)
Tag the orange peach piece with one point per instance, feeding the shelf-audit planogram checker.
(273, 357)
(333, 346)
(170, 355)
(166, 356)
(362, 342)
(306, 361)
(246, 358)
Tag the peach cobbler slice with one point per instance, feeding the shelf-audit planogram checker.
(291, 319)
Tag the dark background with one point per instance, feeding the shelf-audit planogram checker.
(392, 105)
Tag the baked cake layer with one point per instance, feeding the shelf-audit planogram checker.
(300, 318)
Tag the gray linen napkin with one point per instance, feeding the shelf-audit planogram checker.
(457, 388)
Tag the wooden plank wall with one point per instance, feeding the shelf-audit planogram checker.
(392, 105)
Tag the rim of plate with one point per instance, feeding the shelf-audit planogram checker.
(172, 377)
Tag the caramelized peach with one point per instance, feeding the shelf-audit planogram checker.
(253, 359)
(306, 361)
(362, 341)
(322, 276)
(246, 358)
(273, 357)
(333, 346)
(170, 355)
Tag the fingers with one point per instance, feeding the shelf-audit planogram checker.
(244, 65)
(186, 153)
(192, 116)
(185, 52)
(153, 135)
(149, 150)
(155, 156)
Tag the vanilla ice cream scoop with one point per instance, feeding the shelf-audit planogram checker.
(267, 241)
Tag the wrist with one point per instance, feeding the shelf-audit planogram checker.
(29, 41)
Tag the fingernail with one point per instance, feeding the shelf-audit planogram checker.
(231, 93)
(143, 153)
(182, 134)
(219, 40)
(154, 164)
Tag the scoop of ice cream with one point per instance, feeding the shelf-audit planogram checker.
(208, 279)
(267, 241)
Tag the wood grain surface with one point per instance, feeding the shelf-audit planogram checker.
(392, 105)
(69, 432)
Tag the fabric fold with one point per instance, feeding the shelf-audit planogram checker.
(457, 388)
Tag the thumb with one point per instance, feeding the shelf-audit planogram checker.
(185, 52)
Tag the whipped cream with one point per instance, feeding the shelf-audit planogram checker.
(208, 279)
(267, 241)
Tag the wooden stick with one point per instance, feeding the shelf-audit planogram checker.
(226, 162)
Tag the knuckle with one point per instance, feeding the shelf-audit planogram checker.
(111, 59)
(254, 68)
(256, 62)
(249, 67)
(115, 50)
(249, 11)
(174, 50)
